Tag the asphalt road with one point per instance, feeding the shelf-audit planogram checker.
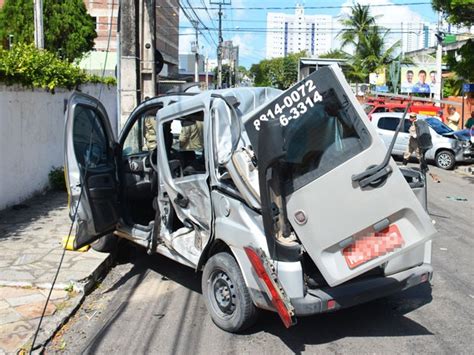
(149, 304)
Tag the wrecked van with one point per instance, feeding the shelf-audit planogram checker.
(281, 201)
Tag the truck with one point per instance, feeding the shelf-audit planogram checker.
(285, 200)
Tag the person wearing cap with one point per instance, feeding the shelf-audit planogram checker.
(412, 142)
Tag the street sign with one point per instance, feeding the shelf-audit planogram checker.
(468, 87)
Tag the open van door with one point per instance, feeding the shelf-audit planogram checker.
(311, 143)
(90, 168)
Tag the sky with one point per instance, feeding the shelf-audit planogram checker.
(245, 27)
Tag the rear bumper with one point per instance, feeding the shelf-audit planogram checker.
(357, 292)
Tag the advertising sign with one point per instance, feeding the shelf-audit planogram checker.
(418, 79)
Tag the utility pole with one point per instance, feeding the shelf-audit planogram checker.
(129, 59)
(38, 15)
(219, 47)
(195, 49)
(439, 54)
(147, 42)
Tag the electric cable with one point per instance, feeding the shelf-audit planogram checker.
(78, 201)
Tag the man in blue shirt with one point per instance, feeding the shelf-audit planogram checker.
(421, 87)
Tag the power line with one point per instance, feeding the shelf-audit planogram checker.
(258, 8)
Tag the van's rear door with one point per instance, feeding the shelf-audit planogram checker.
(312, 140)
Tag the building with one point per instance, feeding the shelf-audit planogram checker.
(292, 33)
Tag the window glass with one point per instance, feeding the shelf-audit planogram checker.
(380, 109)
(399, 109)
(438, 126)
(142, 136)
(324, 137)
(90, 140)
(184, 143)
(388, 123)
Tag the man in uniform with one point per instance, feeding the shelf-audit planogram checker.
(412, 143)
(191, 136)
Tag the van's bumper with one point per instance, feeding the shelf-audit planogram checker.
(356, 292)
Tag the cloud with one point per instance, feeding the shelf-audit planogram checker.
(185, 39)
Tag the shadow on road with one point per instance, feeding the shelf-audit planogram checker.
(381, 318)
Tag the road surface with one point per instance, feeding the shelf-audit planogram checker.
(149, 304)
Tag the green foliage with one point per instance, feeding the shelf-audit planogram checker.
(465, 65)
(56, 179)
(31, 67)
(277, 72)
(458, 11)
(368, 41)
(68, 28)
(335, 54)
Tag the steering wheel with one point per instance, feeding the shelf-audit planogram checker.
(153, 157)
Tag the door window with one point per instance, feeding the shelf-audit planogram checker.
(90, 139)
(388, 123)
(184, 143)
(142, 136)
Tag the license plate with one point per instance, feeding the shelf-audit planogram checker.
(372, 246)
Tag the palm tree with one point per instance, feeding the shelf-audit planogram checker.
(369, 42)
(356, 25)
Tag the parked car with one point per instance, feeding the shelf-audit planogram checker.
(449, 147)
(278, 202)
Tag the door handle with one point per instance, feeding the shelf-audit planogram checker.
(181, 201)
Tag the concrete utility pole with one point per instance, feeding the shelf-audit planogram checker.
(138, 79)
(38, 16)
(195, 49)
(439, 54)
(219, 47)
(147, 40)
(129, 59)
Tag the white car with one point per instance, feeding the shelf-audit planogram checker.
(449, 147)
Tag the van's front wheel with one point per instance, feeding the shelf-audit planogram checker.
(226, 295)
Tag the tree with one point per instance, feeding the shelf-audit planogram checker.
(279, 72)
(68, 29)
(335, 54)
(356, 26)
(368, 41)
(458, 11)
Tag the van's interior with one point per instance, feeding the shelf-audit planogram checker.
(184, 146)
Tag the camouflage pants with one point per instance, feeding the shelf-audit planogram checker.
(412, 147)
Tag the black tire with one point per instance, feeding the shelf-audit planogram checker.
(105, 244)
(234, 311)
(445, 160)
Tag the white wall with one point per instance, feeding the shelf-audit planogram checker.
(31, 137)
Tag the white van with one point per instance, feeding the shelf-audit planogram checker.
(288, 201)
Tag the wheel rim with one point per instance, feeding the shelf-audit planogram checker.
(444, 160)
(222, 293)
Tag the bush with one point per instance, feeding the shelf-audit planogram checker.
(56, 179)
(31, 67)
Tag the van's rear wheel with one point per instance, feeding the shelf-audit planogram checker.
(226, 295)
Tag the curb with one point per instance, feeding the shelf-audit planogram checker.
(83, 287)
(465, 170)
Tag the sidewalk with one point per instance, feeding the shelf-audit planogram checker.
(30, 244)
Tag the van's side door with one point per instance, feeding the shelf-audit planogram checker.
(90, 168)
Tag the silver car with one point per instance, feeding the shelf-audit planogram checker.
(286, 201)
(449, 147)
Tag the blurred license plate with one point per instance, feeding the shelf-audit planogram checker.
(372, 246)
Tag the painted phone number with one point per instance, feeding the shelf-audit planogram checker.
(297, 101)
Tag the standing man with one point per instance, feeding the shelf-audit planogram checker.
(453, 118)
(412, 143)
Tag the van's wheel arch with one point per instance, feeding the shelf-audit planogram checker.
(106, 244)
(445, 159)
(226, 295)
